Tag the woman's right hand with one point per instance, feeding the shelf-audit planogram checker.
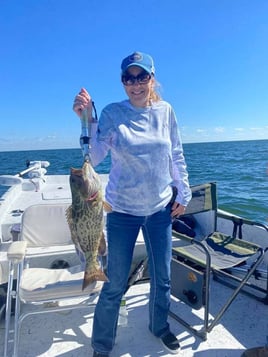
(83, 101)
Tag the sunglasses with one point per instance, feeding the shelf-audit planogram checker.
(142, 78)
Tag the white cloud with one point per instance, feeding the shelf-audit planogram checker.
(219, 130)
(256, 129)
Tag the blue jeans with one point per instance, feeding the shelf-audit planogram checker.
(122, 232)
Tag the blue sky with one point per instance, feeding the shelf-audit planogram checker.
(211, 61)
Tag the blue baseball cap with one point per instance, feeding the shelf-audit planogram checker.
(138, 59)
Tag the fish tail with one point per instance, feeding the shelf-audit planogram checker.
(89, 278)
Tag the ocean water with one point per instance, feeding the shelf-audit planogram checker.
(240, 169)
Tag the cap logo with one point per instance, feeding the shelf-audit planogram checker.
(138, 59)
(135, 57)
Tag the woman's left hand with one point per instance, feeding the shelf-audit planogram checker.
(177, 209)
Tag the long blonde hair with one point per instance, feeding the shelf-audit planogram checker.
(154, 93)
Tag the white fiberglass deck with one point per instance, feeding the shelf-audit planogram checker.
(243, 326)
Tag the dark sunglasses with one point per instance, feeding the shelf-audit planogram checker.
(142, 78)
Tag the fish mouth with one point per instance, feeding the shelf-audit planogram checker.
(86, 182)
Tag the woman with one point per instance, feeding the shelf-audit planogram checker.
(142, 136)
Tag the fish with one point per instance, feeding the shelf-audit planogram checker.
(85, 220)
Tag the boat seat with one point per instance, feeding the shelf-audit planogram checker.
(39, 284)
(212, 253)
(45, 236)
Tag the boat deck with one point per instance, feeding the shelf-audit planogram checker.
(243, 326)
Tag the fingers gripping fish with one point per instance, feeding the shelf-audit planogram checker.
(85, 219)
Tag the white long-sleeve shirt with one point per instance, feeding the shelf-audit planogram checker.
(146, 157)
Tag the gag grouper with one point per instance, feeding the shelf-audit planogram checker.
(85, 215)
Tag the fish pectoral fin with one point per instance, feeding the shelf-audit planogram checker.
(97, 275)
(102, 246)
(107, 207)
